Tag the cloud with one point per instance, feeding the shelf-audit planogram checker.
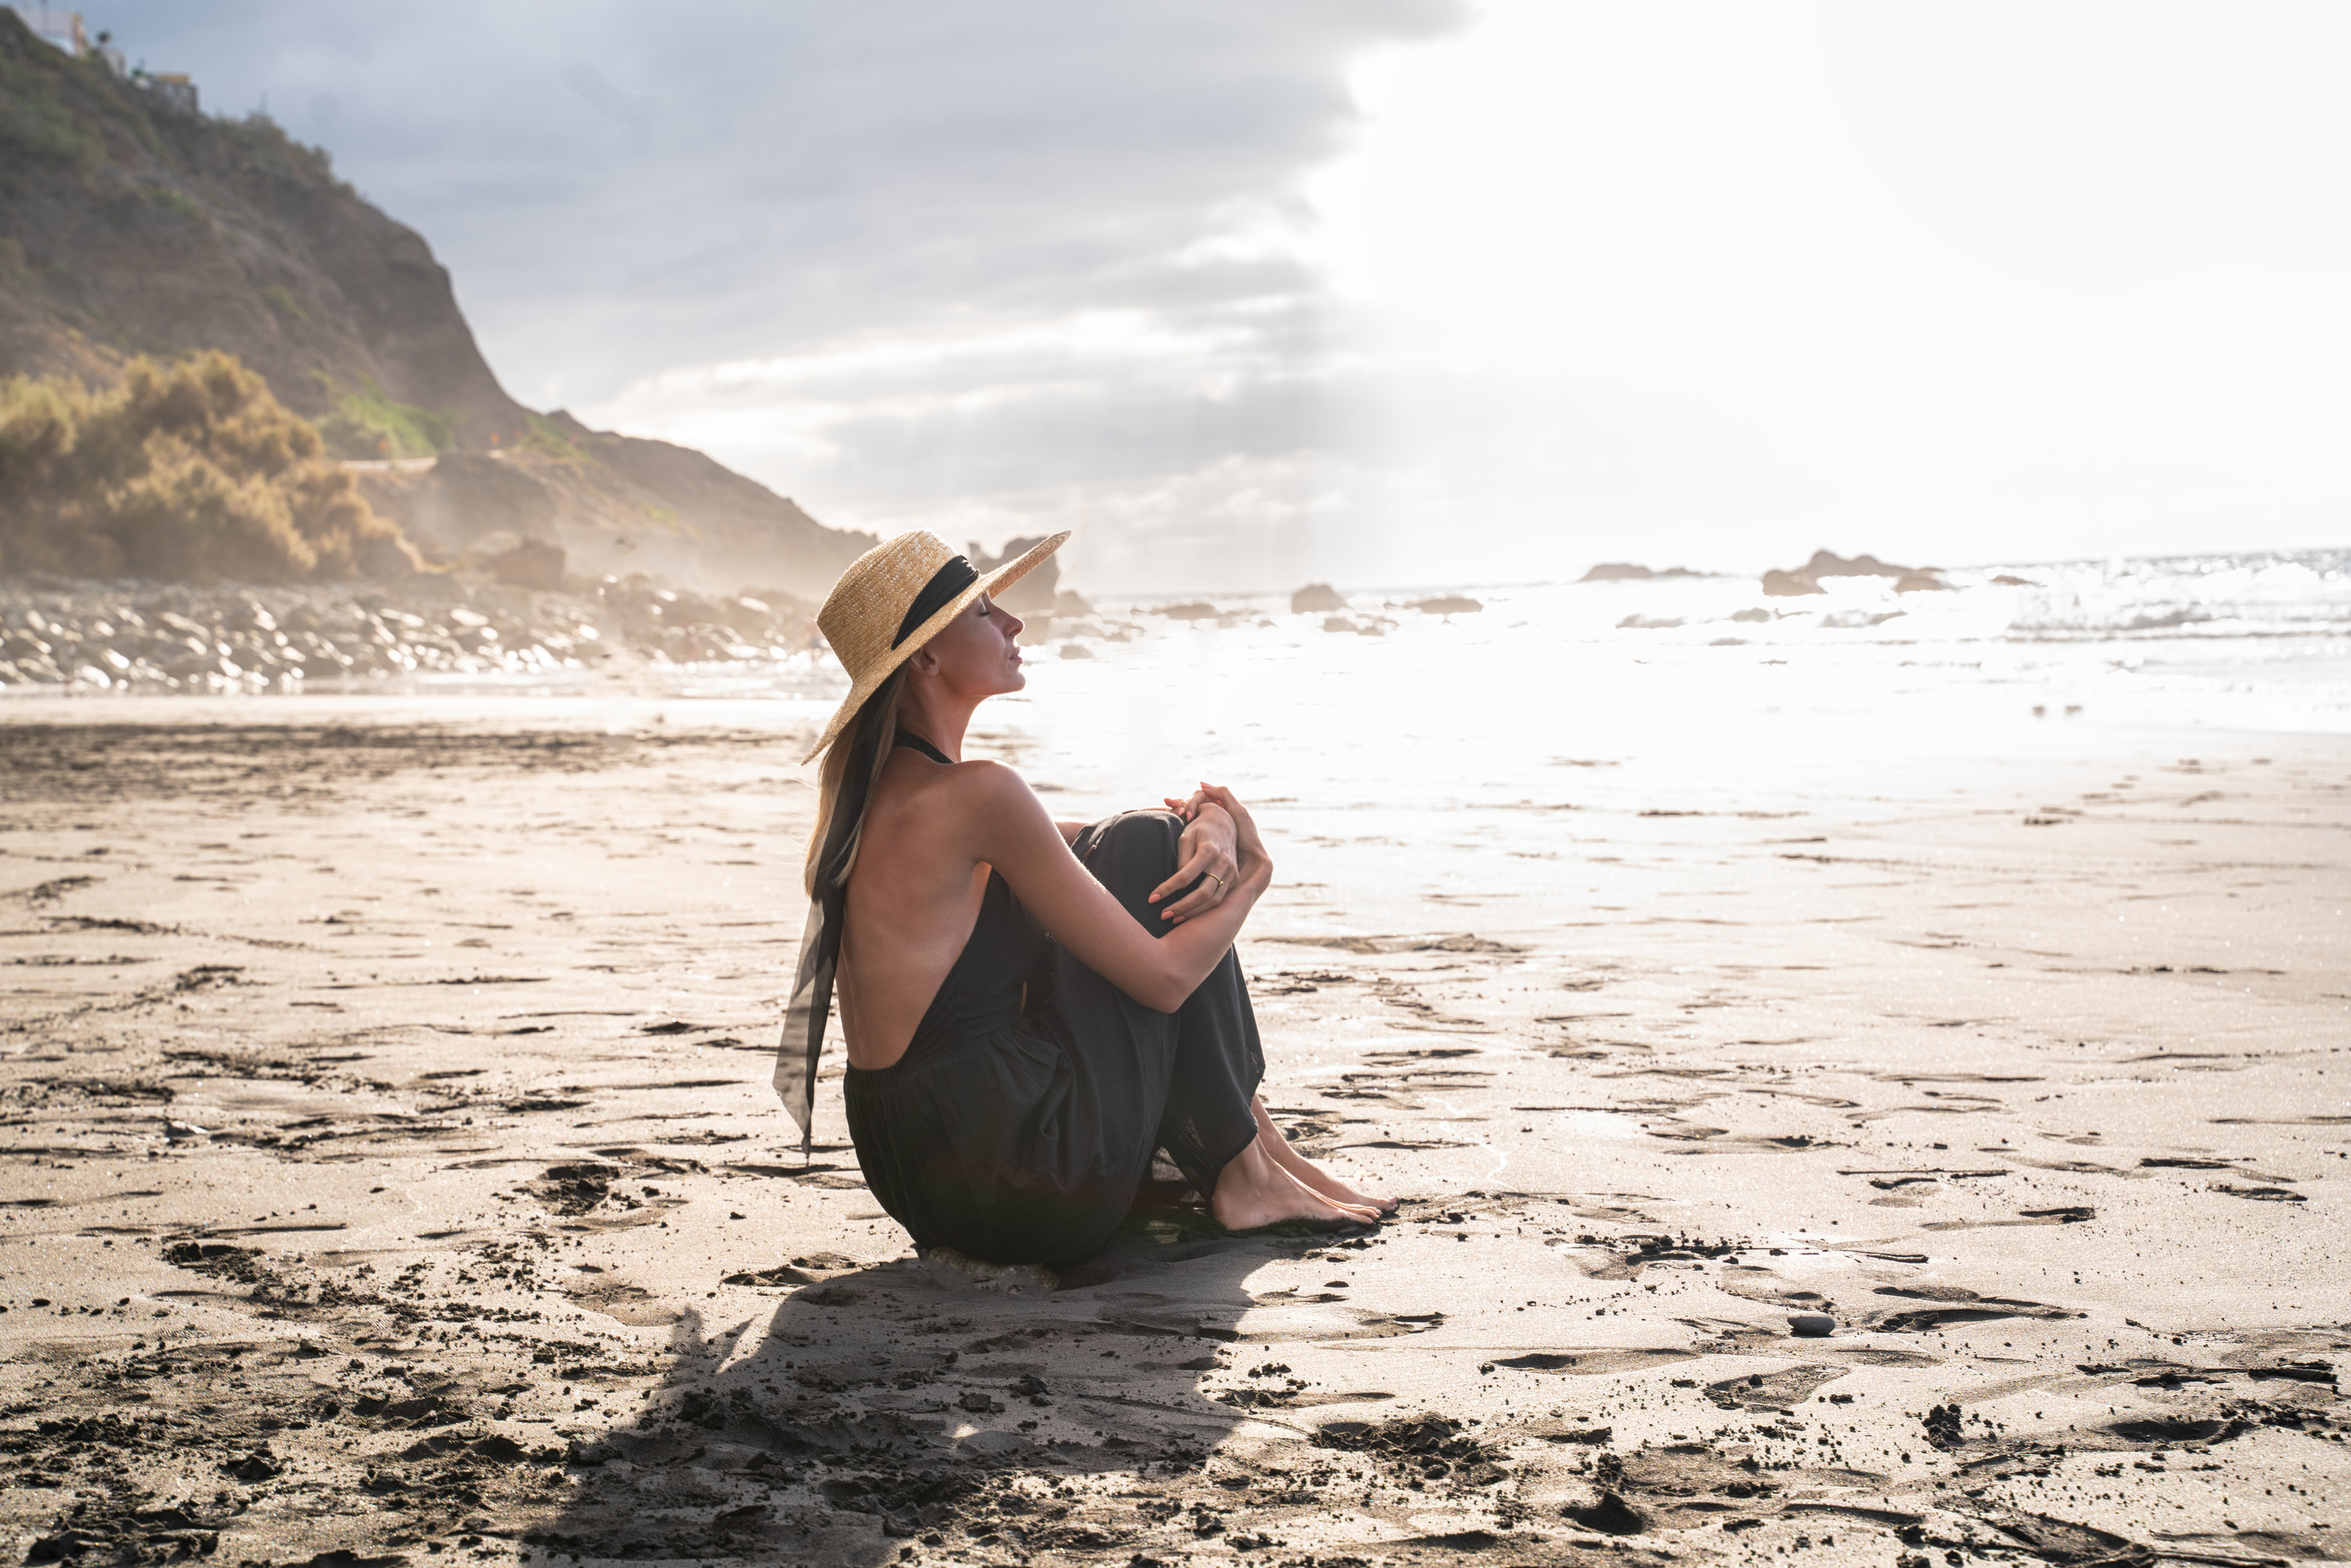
(1194, 426)
(1387, 290)
(904, 262)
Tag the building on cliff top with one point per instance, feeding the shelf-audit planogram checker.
(57, 27)
(63, 29)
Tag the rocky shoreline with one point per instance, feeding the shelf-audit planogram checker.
(158, 638)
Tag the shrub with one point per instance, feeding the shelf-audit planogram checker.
(190, 472)
(367, 424)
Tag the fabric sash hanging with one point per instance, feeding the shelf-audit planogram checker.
(799, 1052)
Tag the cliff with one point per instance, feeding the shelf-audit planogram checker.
(128, 227)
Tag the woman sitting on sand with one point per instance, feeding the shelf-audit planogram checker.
(1031, 1006)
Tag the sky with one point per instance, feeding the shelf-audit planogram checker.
(1389, 292)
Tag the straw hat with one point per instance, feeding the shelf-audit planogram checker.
(864, 615)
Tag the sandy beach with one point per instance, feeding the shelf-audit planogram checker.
(393, 1174)
(1789, 638)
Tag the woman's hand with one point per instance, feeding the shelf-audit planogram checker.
(1250, 847)
(1204, 853)
(1186, 810)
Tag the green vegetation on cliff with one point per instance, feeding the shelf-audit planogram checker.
(130, 228)
(367, 424)
(191, 472)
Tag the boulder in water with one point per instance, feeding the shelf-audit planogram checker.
(1828, 563)
(1806, 579)
(1448, 604)
(1626, 572)
(1317, 599)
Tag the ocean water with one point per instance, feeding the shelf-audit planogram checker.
(1693, 682)
(1660, 695)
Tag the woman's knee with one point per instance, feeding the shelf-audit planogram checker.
(1132, 853)
(1148, 836)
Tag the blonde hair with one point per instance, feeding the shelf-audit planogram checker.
(851, 767)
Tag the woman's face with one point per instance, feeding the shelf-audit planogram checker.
(975, 655)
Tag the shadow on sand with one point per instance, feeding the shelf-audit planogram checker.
(876, 1412)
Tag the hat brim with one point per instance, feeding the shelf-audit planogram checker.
(1003, 577)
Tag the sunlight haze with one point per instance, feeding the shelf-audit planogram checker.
(1395, 294)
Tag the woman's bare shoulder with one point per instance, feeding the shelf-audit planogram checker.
(994, 810)
(981, 782)
(979, 795)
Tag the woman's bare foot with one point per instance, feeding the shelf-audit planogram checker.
(1254, 1190)
(1307, 1171)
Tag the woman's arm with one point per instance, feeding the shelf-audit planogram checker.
(1008, 827)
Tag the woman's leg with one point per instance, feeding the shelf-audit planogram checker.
(1207, 1121)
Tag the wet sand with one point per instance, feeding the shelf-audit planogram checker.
(393, 1175)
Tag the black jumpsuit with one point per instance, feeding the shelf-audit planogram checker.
(1019, 1134)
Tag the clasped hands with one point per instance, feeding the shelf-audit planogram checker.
(1217, 835)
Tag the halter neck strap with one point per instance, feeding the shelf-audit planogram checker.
(907, 737)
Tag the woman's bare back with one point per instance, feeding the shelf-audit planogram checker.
(914, 897)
